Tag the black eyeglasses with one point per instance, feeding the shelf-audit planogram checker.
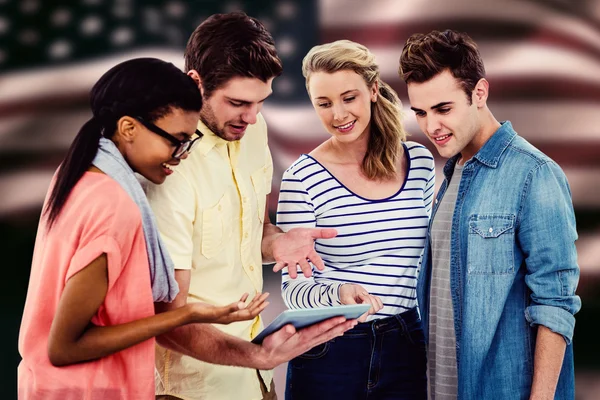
(181, 146)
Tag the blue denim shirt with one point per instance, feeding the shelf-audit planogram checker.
(513, 266)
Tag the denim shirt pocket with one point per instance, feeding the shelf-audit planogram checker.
(491, 244)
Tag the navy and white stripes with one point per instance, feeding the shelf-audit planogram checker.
(379, 242)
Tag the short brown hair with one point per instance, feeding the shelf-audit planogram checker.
(229, 45)
(426, 55)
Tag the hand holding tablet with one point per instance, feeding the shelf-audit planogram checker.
(302, 318)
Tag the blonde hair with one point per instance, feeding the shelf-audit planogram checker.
(387, 132)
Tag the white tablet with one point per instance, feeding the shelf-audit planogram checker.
(304, 317)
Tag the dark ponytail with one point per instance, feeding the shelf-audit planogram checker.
(147, 87)
(78, 160)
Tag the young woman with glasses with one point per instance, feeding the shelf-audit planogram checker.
(99, 265)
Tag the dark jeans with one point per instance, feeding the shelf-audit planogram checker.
(380, 359)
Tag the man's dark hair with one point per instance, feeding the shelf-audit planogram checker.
(426, 55)
(230, 45)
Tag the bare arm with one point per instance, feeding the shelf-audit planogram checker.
(206, 343)
(73, 338)
(270, 233)
(200, 341)
(549, 354)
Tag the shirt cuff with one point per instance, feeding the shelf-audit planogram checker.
(335, 291)
(557, 319)
(181, 262)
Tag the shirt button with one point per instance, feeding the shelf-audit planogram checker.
(491, 230)
(245, 199)
(252, 268)
(219, 208)
(246, 235)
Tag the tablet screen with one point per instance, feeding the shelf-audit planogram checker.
(302, 318)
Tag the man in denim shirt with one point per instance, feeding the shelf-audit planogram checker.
(497, 283)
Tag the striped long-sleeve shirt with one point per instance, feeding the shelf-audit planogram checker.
(379, 242)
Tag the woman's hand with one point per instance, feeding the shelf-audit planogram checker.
(297, 247)
(351, 293)
(238, 311)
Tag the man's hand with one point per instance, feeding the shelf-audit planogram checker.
(297, 247)
(238, 311)
(356, 294)
(287, 343)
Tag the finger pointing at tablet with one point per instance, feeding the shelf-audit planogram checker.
(355, 294)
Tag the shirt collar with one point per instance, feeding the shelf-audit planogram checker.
(209, 140)
(491, 151)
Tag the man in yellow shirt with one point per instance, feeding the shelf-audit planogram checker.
(212, 212)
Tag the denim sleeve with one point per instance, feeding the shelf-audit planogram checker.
(547, 237)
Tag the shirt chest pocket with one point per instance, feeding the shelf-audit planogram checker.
(491, 244)
(260, 183)
(216, 226)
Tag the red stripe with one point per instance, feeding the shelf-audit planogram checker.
(524, 88)
(579, 154)
(396, 34)
(58, 103)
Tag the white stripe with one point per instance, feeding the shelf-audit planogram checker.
(45, 131)
(588, 252)
(509, 60)
(377, 12)
(23, 190)
(47, 82)
(535, 121)
(551, 122)
(585, 186)
(439, 374)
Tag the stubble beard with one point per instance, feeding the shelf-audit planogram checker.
(207, 116)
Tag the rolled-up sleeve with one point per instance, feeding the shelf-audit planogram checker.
(547, 235)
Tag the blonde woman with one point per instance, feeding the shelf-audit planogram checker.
(376, 189)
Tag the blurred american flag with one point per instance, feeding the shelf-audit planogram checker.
(542, 59)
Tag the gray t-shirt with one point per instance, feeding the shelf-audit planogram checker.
(441, 355)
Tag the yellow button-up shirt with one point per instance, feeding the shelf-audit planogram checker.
(210, 215)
